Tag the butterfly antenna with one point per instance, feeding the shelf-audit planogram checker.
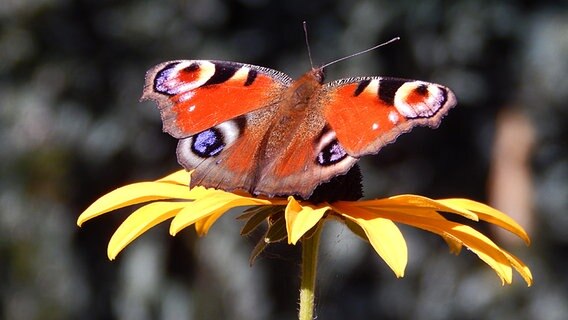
(308, 43)
(358, 53)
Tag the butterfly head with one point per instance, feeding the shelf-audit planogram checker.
(318, 74)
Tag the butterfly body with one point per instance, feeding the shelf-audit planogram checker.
(252, 128)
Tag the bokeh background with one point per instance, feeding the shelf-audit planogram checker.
(72, 129)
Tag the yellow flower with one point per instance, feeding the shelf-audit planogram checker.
(373, 220)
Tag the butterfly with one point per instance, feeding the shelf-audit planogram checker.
(246, 127)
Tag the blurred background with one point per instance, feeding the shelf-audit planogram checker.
(72, 129)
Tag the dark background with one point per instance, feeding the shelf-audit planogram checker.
(72, 129)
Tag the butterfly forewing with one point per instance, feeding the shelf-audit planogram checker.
(195, 95)
(367, 113)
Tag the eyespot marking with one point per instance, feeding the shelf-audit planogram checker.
(208, 143)
(329, 151)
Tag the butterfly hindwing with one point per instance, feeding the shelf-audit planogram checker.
(195, 95)
(226, 155)
(311, 157)
(367, 113)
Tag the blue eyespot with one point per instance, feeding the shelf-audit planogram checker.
(331, 154)
(208, 143)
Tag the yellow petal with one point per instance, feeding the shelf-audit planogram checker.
(454, 244)
(356, 229)
(485, 249)
(383, 234)
(180, 177)
(414, 203)
(523, 270)
(490, 215)
(300, 219)
(136, 193)
(214, 201)
(482, 246)
(475, 241)
(139, 222)
(202, 225)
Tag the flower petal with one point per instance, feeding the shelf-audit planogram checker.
(181, 177)
(478, 243)
(414, 203)
(490, 215)
(454, 244)
(300, 219)
(521, 268)
(355, 228)
(139, 222)
(483, 247)
(202, 226)
(383, 234)
(133, 194)
(214, 202)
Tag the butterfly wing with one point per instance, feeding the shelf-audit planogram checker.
(247, 127)
(313, 157)
(226, 156)
(367, 113)
(220, 111)
(282, 148)
(195, 95)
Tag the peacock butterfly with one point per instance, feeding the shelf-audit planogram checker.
(246, 127)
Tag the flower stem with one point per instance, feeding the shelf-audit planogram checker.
(310, 248)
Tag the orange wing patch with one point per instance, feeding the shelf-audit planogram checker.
(194, 95)
(210, 105)
(361, 122)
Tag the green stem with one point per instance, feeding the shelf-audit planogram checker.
(310, 248)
